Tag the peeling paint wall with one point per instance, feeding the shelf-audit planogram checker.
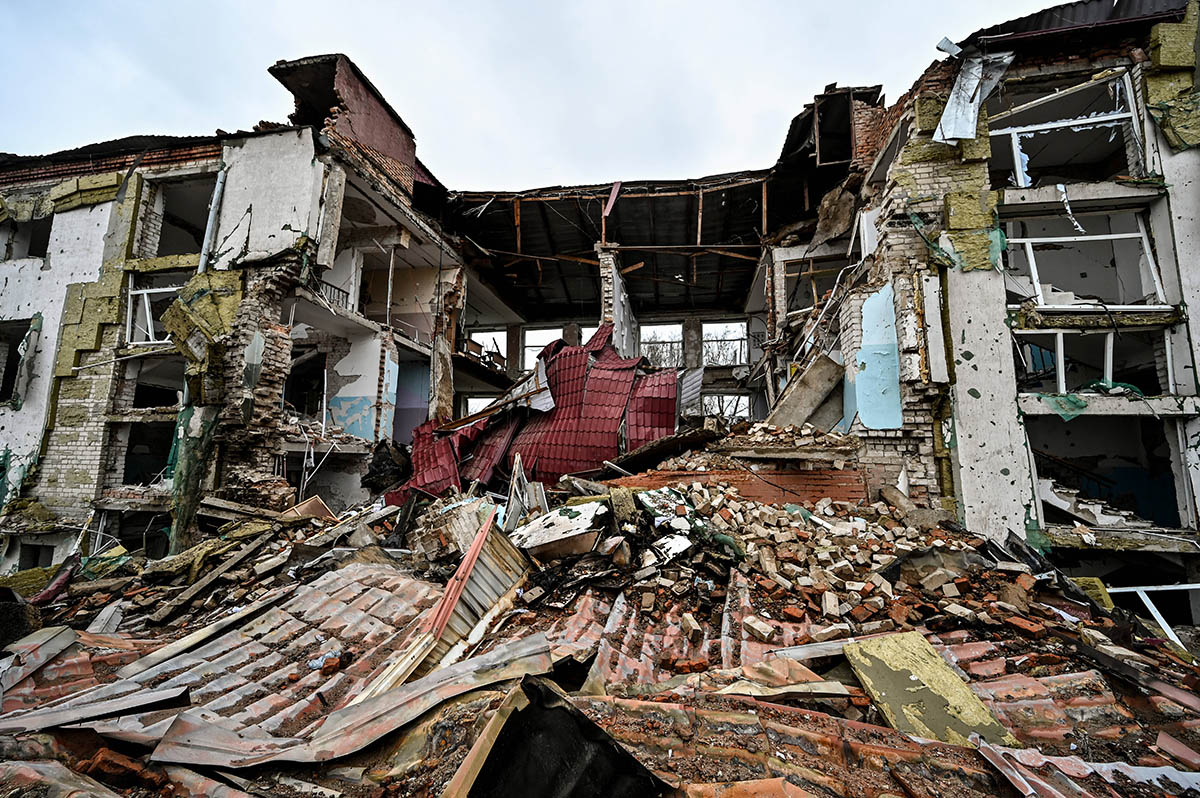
(37, 286)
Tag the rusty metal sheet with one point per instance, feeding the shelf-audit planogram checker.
(194, 741)
(32, 652)
(49, 780)
(143, 701)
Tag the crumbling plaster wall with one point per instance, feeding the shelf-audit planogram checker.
(35, 286)
(937, 214)
(272, 198)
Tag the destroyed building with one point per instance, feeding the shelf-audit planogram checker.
(304, 454)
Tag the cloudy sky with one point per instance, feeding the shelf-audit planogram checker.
(501, 95)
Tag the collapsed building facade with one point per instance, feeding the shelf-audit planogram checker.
(870, 473)
(986, 282)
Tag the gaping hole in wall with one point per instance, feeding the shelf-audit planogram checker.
(150, 294)
(726, 343)
(304, 390)
(174, 215)
(489, 345)
(809, 282)
(1049, 134)
(730, 406)
(148, 453)
(25, 239)
(1104, 470)
(154, 381)
(12, 333)
(1069, 361)
(35, 555)
(145, 530)
(1051, 263)
(534, 341)
(662, 344)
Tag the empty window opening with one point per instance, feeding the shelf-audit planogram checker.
(1051, 263)
(1085, 132)
(36, 555)
(810, 282)
(1123, 462)
(489, 345)
(12, 335)
(729, 406)
(149, 297)
(534, 342)
(148, 454)
(175, 215)
(662, 344)
(725, 343)
(586, 333)
(157, 381)
(304, 391)
(25, 239)
(476, 404)
(145, 530)
(1105, 361)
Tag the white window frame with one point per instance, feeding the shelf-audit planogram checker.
(1104, 120)
(678, 343)
(140, 298)
(1060, 358)
(1028, 244)
(525, 345)
(745, 339)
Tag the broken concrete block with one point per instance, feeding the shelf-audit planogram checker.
(936, 579)
(877, 627)
(959, 611)
(950, 590)
(645, 573)
(533, 594)
(691, 628)
(647, 602)
(832, 632)
(759, 628)
(830, 604)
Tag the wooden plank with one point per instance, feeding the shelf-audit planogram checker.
(919, 694)
(184, 598)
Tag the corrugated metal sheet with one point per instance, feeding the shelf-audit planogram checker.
(259, 674)
(195, 740)
(652, 410)
(1082, 14)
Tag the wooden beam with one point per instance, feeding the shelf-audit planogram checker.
(178, 602)
(517, 221)
(729, 254)
(634, 267)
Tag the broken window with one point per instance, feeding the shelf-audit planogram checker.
(35, 555)
(476, 404)
(149, 296)
(148, 454)
(725, 343)
(175, 215)
(490, 345)
(534, 342)
(25, 239)
(1069, 361)
(662, 344)
(729, 406)
(1104, 471)
(304, 390)
(811, 281)
(17, 343)
(1102, 259)
(1085, 132)
(156, 381)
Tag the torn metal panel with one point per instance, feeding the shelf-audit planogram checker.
(563, 532)
(141, 701)
(49, 780)
(977, 77)
(32, 652)
(194, 741)
(805, 393)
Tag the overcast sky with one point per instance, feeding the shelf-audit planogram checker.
(501, 95)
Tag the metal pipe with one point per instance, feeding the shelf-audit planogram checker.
(210, 227)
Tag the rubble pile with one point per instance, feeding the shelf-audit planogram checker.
(293, 655)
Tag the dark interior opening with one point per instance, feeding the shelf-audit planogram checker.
(11, 335)
(35, 555)
(185, 215)
(148, 451)
(159, 381)
(304, 390)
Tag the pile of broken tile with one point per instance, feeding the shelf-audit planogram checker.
(682, 640)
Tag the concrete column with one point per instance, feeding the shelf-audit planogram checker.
(994, 481)
(614, 303)
(693, 343)
(572, 334)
